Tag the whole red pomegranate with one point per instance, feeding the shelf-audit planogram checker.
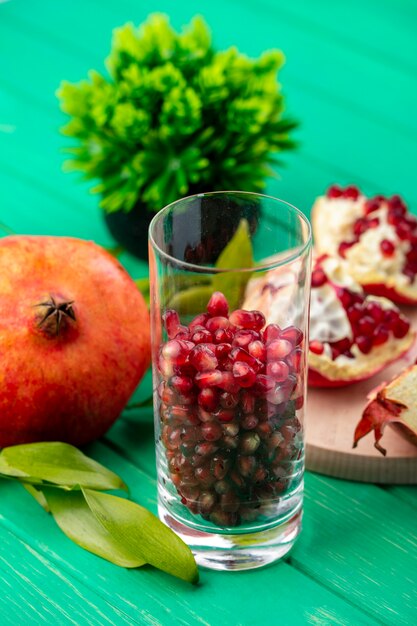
(74, 339)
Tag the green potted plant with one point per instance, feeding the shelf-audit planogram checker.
(173, 117)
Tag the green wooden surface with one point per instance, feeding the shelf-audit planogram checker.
(351, 80)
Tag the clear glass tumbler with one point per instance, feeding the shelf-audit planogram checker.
(230, 283)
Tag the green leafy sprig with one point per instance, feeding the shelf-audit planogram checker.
(71, 486)
(173, 116)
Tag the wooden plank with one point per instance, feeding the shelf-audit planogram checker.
(369, 76)
(364, 26)
(360, 542)
(153, 597)
(408, 494)
(35, 591)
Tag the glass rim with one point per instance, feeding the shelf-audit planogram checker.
(206, 269)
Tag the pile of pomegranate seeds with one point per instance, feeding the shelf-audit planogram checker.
(372, 325)
(229, 393)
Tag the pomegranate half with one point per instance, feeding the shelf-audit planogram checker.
(74, 339)
(377, 237)
(352, 336)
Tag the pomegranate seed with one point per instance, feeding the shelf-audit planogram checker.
(342, 345)
(395, 217)
(199, 320)
(229, 503)
(387, 247)
(249, 443)
(366, 325)
(401, 328)
(223, 519)
(391, 318)
(203, 359)
(231, 443)
(225, 415)
(334, 192)
(166, 394)
(204, 476)
(277, 370)
(278, 349)
(202, 336)
(294, 360)
(316, 347)
(209, 379)
(344, 247)
(222, 486)
(176, 351)
(211, 431)
(271, 332)
(223, 335)
(244, 374)
(375, 311)
(282, 392)
(355, 313)
(263, 384)
(292, 334)
(227, 382)
(252, 320)
(381, 335)
(403, 231)
(230, 429)
(250, 422)
(205, 449)
(396, 202)
(218, 305)
(257, 349)
(171, 322)
(364, 344)
(345, 297)
(299, 403)
(372, 205)
(247, 402)
(373, 223)
(206, 502)
(214, 323)
(222, 352)
(208, 399)
(360, 226)
(182, 384)
(220, 466)
(239, 354)
(351, 192)
(318, 278)
(246, 465)
(228, 400)
(243, 338)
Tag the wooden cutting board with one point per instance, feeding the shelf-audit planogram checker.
(331, 418)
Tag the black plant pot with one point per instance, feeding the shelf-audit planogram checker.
(130, 229)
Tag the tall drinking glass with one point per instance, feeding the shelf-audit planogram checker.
(230, 280)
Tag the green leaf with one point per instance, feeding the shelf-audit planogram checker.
(37, 495)
(143, 534)
(74, 517)
(191, 301)
(57, 463)
(237, 254)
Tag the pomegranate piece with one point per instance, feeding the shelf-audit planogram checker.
(208, 399)
(376, 236)
(394, 404)
(278, 349)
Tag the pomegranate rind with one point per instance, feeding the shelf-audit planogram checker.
(392, 292)
(394, 404)
(70, 387)
(343, 371)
